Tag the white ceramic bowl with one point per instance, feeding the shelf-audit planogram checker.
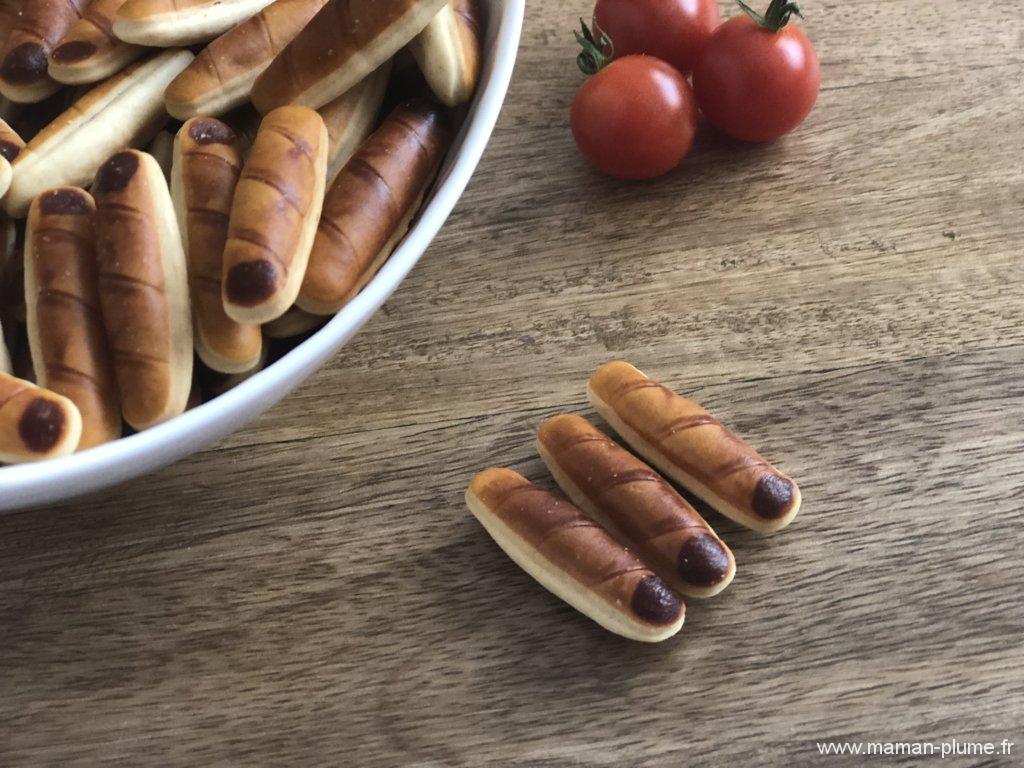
(26, 485)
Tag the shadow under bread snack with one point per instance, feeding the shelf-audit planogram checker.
(24, 56)
(636, 506)
(274, 215)
(350, 118)
(574, 557)
(344, 43)
(222, 74)
(10, 147)
(448, 51)
(89, 51)
(204, 174)
(65, 329)
(370, 204)
(693, 448)
(143, 288)
(35, 423)
(126, 110)
(166, 23)
(294, 322)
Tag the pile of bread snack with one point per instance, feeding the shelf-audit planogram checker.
(629, 545)
(287, 183)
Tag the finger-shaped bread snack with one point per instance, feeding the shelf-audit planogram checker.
(162, 150)
(207, 163)
(10, 10)
(370, 204)
(448, 51)
(126, 110)
(24, 56)
(143, 288)
(574, 557)
(294, 322)
(274, 215)
(5, 356)
(344, 43)
(350, 118)
(222, 75)
(214, 383)
(636, 506)
(10, 147)
(166, 23)
(35, 423)
(693, 448)
(89, 51)
(65, 328)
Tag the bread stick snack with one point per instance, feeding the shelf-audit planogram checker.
(207, 163)
(126, 110)
(65, 329)
(448, 51)
(574, 557)
(5, 356)
(344, 43)
(89, 52)
(274, 215)
(370, 205)
(25, 53)
(215, 383)
(10, 147)
(222, 75)
(35, 423)
(693, 448)
(350, 118)
(294, 322)
(143, 288)
(10, 10)
(636, 506)
(166, 23)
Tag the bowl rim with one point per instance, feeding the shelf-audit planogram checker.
(52, 480)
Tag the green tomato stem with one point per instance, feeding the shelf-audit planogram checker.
(593, 57)
(776, 17)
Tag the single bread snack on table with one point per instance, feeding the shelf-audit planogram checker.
(204, 174)
(274, 215)
(573, 557)
(143, 288)
(350, 118)
(89, 52)
(126, 110)
(344, 43)
(10, 147)
(636, 506)
(35, 423)
(24, 56)
(693, 448)
(167, 23)
(65, 329)
(222, 74)
(448, 51)
(370, 204)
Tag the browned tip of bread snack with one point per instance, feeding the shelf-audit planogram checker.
(166, 23)
(10, 147)
(89, 52)
(574, 557)
(126, 110)
(24, 56)
(370, 204)
(693, 448)
(636, 505)
(448, 51)
(274, 215)
(344, 43)
(143, 288)
(205, 171)
(222, 75)
(35, 423)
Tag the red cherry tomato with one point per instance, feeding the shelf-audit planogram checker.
(753, 82)
(672, 30)
(635, 118)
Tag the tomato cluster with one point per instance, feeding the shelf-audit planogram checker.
(755, 77)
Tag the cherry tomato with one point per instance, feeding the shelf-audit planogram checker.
(672, 30)
(635, 118)
(757, 81)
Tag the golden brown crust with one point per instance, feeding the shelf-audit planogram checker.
(448, 51)
(89, 51)
(24, 55)
(344, 42)
(694, 448)
(65, 328)
(208, 161)
(643, 511)
(34, 422)
(273, 216)
(375, 191)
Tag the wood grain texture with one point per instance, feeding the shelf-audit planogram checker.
(851, 300)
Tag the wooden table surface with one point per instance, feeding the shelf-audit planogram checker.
(313, 591)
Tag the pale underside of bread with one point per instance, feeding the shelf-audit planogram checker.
(440, 51)
(361, 104)
(30, 93)
(99, 66)
(35, 344)
(71, 153)
(294, 322)
(197, 24)
(562, 585)
(686, 480)
(5, 176)
(582, 501)
(5, 356)
(232, 380)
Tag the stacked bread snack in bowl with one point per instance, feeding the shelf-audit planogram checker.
(199, 207)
